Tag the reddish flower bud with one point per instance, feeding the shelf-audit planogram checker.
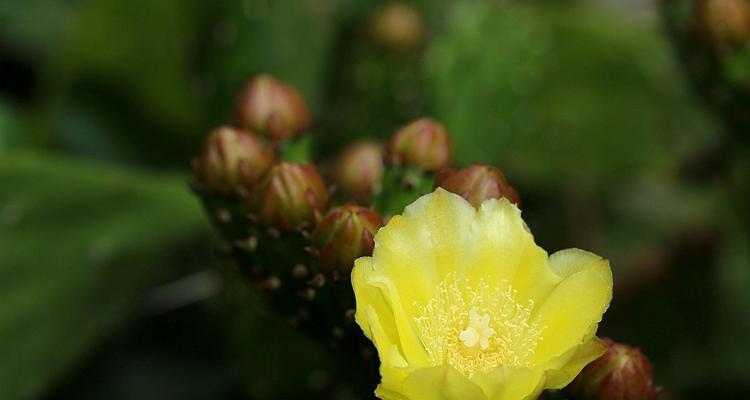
(423, 143)
(477, 183)
(622, 373)
(358, 172)
(271, 108)
(291, 195)
(345, 234)
(232, 158)
(723, 22)
(397, 26)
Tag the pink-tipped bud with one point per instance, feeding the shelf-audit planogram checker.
(272, 108)
(723, 22)
(291, 195)
(232, 158)
(477, 183)
(397, 26)
(358, 172)
(345, 234)
(423, 143)
(622, 373)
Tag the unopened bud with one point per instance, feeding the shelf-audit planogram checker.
(397, 26)
(272, 108)
(477, 183)
(423, 143)
(291, 195)
(622, 373)
(723, 22)
(345, 234)
(232, 158)
(358, 172)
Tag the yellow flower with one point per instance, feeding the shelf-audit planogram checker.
(462, 304)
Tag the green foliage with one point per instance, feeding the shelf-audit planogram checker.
(518, 87)
(81, 242)
(12, 132)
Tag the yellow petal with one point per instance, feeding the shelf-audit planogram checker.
(440, 383)
(508, 383)
(570, 313)
(562, 370)
(386, 394)
(502, 248)
(418, 249)
(381, 316)
(567, 262)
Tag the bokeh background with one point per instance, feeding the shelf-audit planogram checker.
(624, 130)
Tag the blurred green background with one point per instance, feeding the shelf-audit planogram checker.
(593, 109)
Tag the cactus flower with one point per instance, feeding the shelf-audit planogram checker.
(477, 183)
(345, 234)
(232, 158)
(423, 143)
(290, 195)
(622, 373)
(358, 172)
(462, 304)
(272, 108)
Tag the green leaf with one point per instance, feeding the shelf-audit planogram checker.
(11, 123)
(80, 243)
(551, 96)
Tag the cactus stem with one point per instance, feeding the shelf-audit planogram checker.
(256, 270)
(299, 271)
(248, 244)
(338, 277)
(271, 284)
(196, 187)
(242, 192)
(311, 251)
(223, 215)
(318, 280)
(307, 294)
(224, 249)
(409, 182)
(303, 227)
(338, 333)
(366, 353)
(273, 233)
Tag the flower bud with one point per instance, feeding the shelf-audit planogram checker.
(345, 234)
(423, 143)
(358, 171)
(397, 26)
(723, 22)
(290, 196)
(232, 158)
(477, 183)
(271, 108)
(622, 373)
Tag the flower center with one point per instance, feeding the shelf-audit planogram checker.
(478, 331)
(477, 328)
